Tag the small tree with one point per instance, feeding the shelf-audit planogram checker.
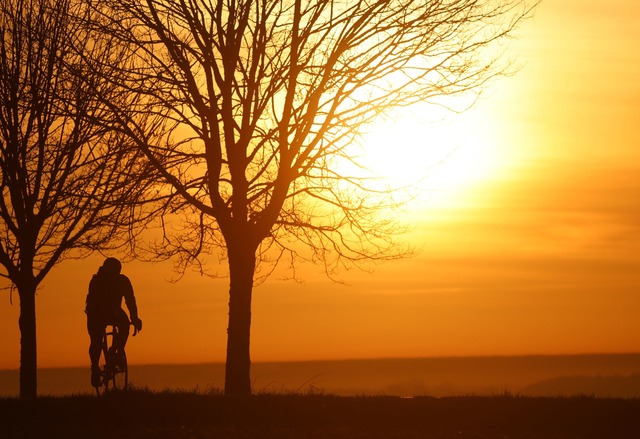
(68, 181)
(265, 98)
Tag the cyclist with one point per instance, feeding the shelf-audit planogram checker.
(107, 288)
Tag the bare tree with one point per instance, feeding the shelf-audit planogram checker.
(265, 97)
(68, 181)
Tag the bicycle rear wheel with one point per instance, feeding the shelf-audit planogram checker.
(121, 374)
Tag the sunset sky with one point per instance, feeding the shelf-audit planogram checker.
(527, 232)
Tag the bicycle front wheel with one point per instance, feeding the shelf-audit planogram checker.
(120, 379)
(113, 376)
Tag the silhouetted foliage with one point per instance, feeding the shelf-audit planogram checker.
(261, 102)
(68, 180)
(143, 415)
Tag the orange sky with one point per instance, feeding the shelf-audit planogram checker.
(539, 253)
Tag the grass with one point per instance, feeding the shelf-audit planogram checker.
(143, 414)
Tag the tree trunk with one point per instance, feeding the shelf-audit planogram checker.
(237, 373)
(28, 353)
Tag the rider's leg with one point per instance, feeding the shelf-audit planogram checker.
(122, 322)
(95, 327)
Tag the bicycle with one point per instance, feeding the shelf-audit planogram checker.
(114, 372)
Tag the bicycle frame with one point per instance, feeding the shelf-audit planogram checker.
(113, 375)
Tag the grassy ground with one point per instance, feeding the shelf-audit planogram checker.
(143, 414)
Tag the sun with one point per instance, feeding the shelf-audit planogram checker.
(431, 151)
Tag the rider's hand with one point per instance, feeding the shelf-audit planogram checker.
(137, 323)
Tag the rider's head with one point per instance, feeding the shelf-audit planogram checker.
(111, 266)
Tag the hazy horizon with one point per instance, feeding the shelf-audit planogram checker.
(364, 359)
(543, 375)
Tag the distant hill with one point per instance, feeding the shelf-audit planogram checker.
(623, 386)
(567, 375)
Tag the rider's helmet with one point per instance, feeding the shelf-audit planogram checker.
(111, 266)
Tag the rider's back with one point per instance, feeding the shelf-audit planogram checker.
(106, 292)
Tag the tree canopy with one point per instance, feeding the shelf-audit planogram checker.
(68, 180)
(258, 102)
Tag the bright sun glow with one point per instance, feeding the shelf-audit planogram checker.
(438, 153)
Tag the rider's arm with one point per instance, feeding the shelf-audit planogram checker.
(129, 298)
(90, 302)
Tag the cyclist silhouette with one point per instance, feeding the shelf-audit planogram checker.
(107, 288)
